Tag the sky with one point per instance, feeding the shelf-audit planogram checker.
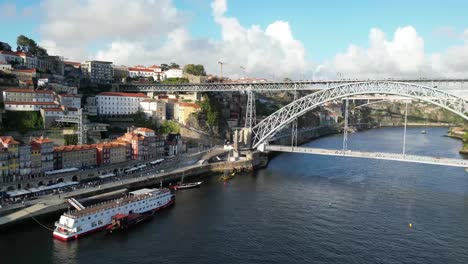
(299, 39)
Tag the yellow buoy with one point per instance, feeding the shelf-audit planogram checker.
(410, 225)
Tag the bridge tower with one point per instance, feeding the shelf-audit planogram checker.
(250, 113)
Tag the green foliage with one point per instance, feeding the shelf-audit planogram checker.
(71, 139)
(264, 109)
(169, 127)
(175, 81)
(172, 65)
(29, 45)
(212, 109)
(465, 137)
(23, 121)
(193, 69)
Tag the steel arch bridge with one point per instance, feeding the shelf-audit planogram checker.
(269, 126)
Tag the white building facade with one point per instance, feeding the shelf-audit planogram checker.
(153, 108)
(174, 73)
(115, 103)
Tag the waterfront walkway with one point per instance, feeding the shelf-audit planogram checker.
(372, 155)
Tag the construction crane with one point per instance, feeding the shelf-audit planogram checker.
(243, 71)
(221, 64)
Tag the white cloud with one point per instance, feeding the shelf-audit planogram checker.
(77, 25)
(146, 32)
(402, 56)
(150, 31)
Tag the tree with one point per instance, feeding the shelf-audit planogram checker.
(197, 70)
(164, 67)
(151, 79)
(71, 139)
(210, 106)
(26, 44)
(169, 127)
(128, 79)
(175, 81)
(174, 65)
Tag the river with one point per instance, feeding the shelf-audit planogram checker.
(300, 209)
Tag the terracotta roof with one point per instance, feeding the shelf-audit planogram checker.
(122, 94)
(112, 144)
(149, 100)
(140, 69)
(72, 63)
(73, 148)
(19, 90)
(8, 140)
(53, 109)
(31, 103)
(24, 70)
(143, 129)
(9, 52)
(189, 105)
(154, 66)
(70, 95)
(41, 140)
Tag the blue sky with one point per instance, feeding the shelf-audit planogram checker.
(325, 28)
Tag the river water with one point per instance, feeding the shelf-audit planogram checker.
(300, 209)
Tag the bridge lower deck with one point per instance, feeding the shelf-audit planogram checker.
(371, 155)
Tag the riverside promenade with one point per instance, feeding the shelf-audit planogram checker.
(56, 203)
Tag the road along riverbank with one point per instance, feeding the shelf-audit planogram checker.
(54, 205)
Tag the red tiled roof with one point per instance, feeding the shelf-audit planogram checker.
(154, 66)
(53, 109)
(143, 129)
(70, 95)
(31, 103)
(122, 94)
(140, 69)
(73, 148)
(9, 52)
(72, 63)
(189, 105)
(19, 90)
(24, 70)
(8, 140)
(41, 140)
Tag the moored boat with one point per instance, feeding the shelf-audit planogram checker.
(187, 185)
(86, 220)
(123, 221)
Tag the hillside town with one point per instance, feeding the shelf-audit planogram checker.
(57, 114)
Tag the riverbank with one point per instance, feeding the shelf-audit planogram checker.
(55, 205)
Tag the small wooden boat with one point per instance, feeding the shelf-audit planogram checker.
(186, 185)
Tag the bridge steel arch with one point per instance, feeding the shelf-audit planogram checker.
(269, 126)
